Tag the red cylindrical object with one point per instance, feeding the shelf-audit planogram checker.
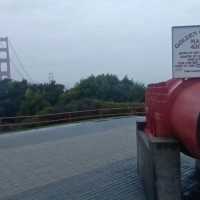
(173, 110)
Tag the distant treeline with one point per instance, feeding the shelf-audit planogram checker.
(94, 92)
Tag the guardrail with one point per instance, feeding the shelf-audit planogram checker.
(22, 122)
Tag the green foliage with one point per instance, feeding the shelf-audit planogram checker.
(11, 96)
(103, 91)
(106, 88)
(33, 102)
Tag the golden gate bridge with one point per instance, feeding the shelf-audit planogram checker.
(11, 65)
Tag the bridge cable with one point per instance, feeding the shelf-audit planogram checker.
(20, 62)
(16, 68)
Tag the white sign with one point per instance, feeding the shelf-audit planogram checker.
(186, 51)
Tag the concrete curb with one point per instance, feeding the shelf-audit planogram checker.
(158, 166)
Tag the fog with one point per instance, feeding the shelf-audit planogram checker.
(73, 39)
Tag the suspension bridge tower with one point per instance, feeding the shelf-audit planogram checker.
(4, 59)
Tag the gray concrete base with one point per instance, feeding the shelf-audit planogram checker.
(158, 166)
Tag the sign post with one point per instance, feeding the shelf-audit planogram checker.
(186, 51)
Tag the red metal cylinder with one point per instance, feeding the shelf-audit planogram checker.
(173, 110)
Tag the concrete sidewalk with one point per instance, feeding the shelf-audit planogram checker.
(89, 160)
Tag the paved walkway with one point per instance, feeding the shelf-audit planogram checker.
(89, 160)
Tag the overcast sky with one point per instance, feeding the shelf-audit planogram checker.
(76, 38)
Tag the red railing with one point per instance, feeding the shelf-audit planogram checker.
(20, 122)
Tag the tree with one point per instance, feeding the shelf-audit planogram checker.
(11, 96)
(106, 88)
(22, 98)
(33, 103)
